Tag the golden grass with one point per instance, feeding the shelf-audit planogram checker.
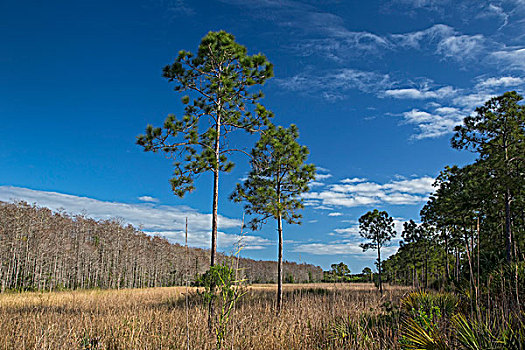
(156, 318)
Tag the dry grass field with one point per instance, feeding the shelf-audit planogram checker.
(159, 319)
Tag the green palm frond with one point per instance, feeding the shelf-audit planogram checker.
(471, 334)
(417, 337)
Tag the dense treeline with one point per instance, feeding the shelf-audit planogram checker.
(45, 250)
(472, 231)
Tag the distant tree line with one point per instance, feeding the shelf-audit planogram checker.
(45, 250)
(340, 273)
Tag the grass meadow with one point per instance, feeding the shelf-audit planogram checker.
(315, 316)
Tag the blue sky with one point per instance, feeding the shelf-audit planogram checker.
(375, 88)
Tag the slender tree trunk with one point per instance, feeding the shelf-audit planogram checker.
(379, 268)
(280, 264)
(413, 266)
(469, 257)
(215, 193)
(477, 277)
(508, 233)
(414, 276)
(426, 264)
(447, 269)
(214, 223)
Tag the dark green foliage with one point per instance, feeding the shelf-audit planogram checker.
(278, 177)
(473, 241)
(218, 80)
(377, 227)
(497, 134)
(341, 273)
(275, 183)
(475, 215)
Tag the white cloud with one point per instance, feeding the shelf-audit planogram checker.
(414, 40)
(179, 8)
(443, 40)
(164, 220)
(335, 84)
(348, 242)
(495, 11)
(420, 94)
(353, 180)
(310, 203)
(323, 207)
(510, 58)
(506, 81)
(202, 239)
(355, 194)
(148, 199)
(335, 214)
(352, 232)
(151, 217)
(470, 101)
(422, 4)
(349, 248)
(440, 120)
(432, 125)
(322, 176)
(461, 47)
(343, 45)
(349, 232)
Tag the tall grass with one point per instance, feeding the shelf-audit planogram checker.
(156, 319)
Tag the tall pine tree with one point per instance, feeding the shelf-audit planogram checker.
(219, 102)
(273, 187)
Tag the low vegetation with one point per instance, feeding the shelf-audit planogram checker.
(156, 318)
(314, 316)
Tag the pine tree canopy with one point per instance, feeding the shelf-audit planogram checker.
(219, 101)
(278, 177)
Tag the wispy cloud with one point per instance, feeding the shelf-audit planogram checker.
(432, 125)
(323, 176)
(164, 220)
(344, 248)
(148, 199)
(335, 85)
(335, 214)
(469, 10)
(421, 93)
(178, 8)
(353, 180)
(346, 45)
(437, 120)
(397, 192)
(443, 40)
(506, 81)
(347, 243)
(512, 58)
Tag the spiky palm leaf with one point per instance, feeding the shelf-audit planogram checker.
(417, 337)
